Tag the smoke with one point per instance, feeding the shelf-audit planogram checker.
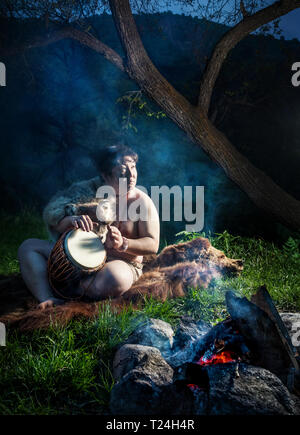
(61, 103)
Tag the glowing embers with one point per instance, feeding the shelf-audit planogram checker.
(219, 358)
(218, 352)
(194, 387)
(222, 345)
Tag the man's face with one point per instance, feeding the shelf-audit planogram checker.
(125, 169)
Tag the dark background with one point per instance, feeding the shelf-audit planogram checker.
(61, 101)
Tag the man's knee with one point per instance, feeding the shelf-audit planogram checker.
(112, 284)
(25, 247)
(32, 245)
(116, 283)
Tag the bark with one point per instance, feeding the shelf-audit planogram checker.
(69, 32)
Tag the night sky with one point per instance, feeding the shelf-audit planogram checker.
(290, 23)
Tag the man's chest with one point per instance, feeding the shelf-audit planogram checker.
(127, 228)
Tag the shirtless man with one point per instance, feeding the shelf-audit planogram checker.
(126, 242)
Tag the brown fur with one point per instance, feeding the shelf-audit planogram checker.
(168, 275)
(201, 251)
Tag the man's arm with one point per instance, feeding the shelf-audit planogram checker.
(148, 242)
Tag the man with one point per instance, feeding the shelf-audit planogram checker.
(126, 242)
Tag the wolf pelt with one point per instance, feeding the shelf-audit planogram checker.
(169, 275)
(64, 203)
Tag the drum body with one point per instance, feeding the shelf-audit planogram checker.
(76, 254)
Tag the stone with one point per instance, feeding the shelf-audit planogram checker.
(154, 332)
(131, 355)
(186, 340)
(292, 323)
(272, 351)
(189, 330)
(254, 391)
(140, 391)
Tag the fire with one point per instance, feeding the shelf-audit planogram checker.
(218, 358)
(194, 387)
(210, 358)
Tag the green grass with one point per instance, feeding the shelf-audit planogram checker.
(65, 369)
(13, 230)
(265, 263)
(69, 370)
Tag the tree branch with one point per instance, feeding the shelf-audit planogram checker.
(140, 67)
(230, 40)
(67, 33)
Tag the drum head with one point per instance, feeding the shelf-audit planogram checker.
(85, 249)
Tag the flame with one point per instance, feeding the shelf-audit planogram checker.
(193, 387)
(218, 358)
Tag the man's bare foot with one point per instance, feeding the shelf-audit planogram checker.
(50, 303)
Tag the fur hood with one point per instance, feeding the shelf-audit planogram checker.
(55, 210)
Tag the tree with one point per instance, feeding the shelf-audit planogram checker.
(68, 18)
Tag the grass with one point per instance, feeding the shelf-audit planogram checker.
(69, 370)
(13, 230)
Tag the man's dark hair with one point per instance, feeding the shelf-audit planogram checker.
(106, 159)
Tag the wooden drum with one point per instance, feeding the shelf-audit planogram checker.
(76, 254)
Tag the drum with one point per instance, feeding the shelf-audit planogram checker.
(76, 254)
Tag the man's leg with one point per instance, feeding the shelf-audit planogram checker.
(110, 282)
(33, 256)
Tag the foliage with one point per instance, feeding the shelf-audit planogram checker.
(14, 229)
(291, 248)
(137, 106)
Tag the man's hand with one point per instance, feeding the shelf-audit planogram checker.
(114, 239)
(84, 222)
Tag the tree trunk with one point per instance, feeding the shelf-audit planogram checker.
(264, 192)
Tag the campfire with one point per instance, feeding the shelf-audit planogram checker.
(241, 365)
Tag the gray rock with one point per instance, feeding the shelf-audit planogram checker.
(292, 324)
(255, 391)
(201, 403)
(185, 342)
(131, 355)
(143, 369)
(140, 391)
(154, 332)
(189, 330)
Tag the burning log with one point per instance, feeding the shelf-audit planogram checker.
(269, 347)
(264, 301)
(223, 343)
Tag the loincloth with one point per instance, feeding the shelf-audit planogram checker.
(136, 268)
